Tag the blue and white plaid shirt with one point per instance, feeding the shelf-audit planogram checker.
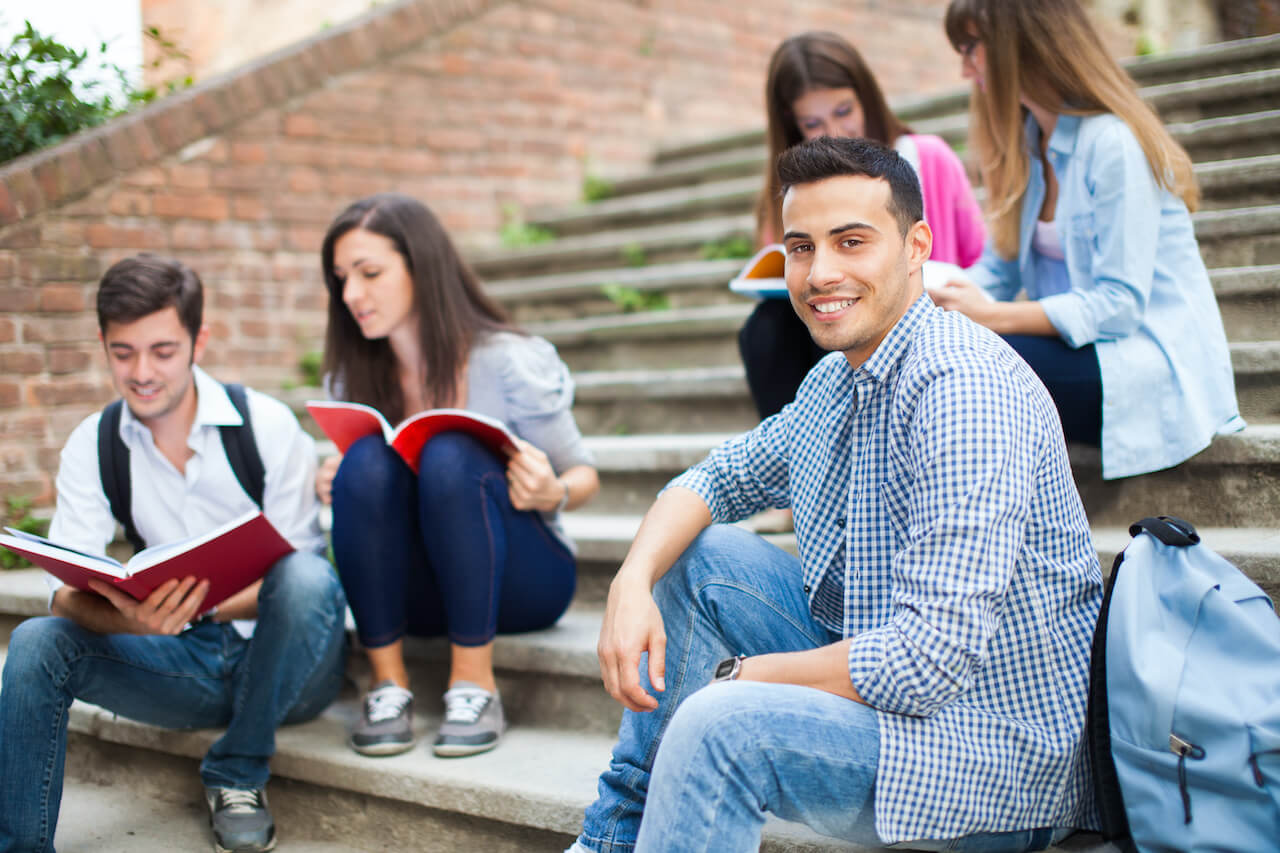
(933, 481)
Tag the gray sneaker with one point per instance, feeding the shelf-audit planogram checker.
(240, 820)
(386, 727)
(473, 721)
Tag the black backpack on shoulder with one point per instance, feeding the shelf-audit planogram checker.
(113, 461)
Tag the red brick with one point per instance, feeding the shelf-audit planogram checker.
(8, 331)
(248, 207)
(129, 203)
(190, 236)
(303, 125)
(10, 394)
(72, 359)
(66, 392)
(255, 178)
(202, 206)
(59, 330)
(63, 233)
(54, 297)
(253, 153)
(26, 361)
(24, 425)
(255, 329)
(23, 236)
(305, 181)
(34, 486)
(19, 299)
(152, 176)
(191, 177)
(8, 206)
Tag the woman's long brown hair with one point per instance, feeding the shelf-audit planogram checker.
(451, 307)
(802, 63)
(1048, 51)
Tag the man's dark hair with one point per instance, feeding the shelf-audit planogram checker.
(827, 157)
(144, 284)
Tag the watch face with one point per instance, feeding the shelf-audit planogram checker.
(725, 668)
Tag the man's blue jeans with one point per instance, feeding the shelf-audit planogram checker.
(207, 676)
(732, 752)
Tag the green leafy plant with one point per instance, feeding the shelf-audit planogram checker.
(730, 247)
(18, 515)
(48, 91)
(630, 299)
(310, 366)
(633, 255)
(596, 188)
(516, 233)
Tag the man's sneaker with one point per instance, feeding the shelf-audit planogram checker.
(386, 728)
(473, 721)
(240, 820)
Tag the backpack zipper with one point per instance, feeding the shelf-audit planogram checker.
(1184, 749)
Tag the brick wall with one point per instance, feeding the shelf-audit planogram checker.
(468, 104)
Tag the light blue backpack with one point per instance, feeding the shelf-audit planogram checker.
(1184, 700)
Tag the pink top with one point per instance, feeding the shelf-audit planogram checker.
(950, 208)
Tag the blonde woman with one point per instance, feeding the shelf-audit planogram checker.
(1088, 199)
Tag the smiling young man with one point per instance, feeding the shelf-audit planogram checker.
(270, 654)
(919, 674)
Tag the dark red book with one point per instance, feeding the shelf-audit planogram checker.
(347, 423)
(230, 557)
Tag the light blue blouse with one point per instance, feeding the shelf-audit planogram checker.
(1139, 292)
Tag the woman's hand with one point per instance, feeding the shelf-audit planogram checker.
(965, 297)
(531, 481)
(324, 478)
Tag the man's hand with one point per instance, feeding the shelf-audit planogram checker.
(166, 610)
(531, 481)
(632, 625)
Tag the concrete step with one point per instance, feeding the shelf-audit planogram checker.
(1241, 237)
(1235, 482)
(1245, 135)
(1209, 97)
(527, 795)
(1236, 182)
(603, 541)
(662, 243)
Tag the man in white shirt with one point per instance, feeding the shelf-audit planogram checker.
(270, 654)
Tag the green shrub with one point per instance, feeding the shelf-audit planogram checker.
(44, 97)
(633, 255)
(516, 233)
(18, 516)
(730, 247)
(310, 365)
(630, 299)
(596, 188)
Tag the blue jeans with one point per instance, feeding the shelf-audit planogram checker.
(208, 676)
(1073, 379)
(705, 766)
(442, 552)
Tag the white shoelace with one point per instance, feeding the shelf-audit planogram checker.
(386, 703)
(465, 704)
(238, 801)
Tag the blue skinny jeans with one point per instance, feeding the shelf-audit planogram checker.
(443, 552)
(704, 768)
(287, 672)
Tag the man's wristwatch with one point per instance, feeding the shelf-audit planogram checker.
(728, 669)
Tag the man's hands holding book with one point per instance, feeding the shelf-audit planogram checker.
(167, 610)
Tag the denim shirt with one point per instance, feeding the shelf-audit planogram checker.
(1139, 293)
(932, 482)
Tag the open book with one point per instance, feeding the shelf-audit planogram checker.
(230, 557)
(764, 275)
(347, 423)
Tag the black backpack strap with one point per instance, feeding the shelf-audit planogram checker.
(113, 467)
(242, 449)
(1106, 784)
(1169, 530)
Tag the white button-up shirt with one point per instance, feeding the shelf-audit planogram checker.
(171, 505)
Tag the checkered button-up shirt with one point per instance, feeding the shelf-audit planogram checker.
(934, 481)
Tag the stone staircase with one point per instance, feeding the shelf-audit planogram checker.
(656, 390)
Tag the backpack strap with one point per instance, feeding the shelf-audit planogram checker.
(113, 468)
(1169, 530)
(1114, 824)
(242, 449)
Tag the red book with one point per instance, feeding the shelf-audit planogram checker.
(230, 557)
(347, 423)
